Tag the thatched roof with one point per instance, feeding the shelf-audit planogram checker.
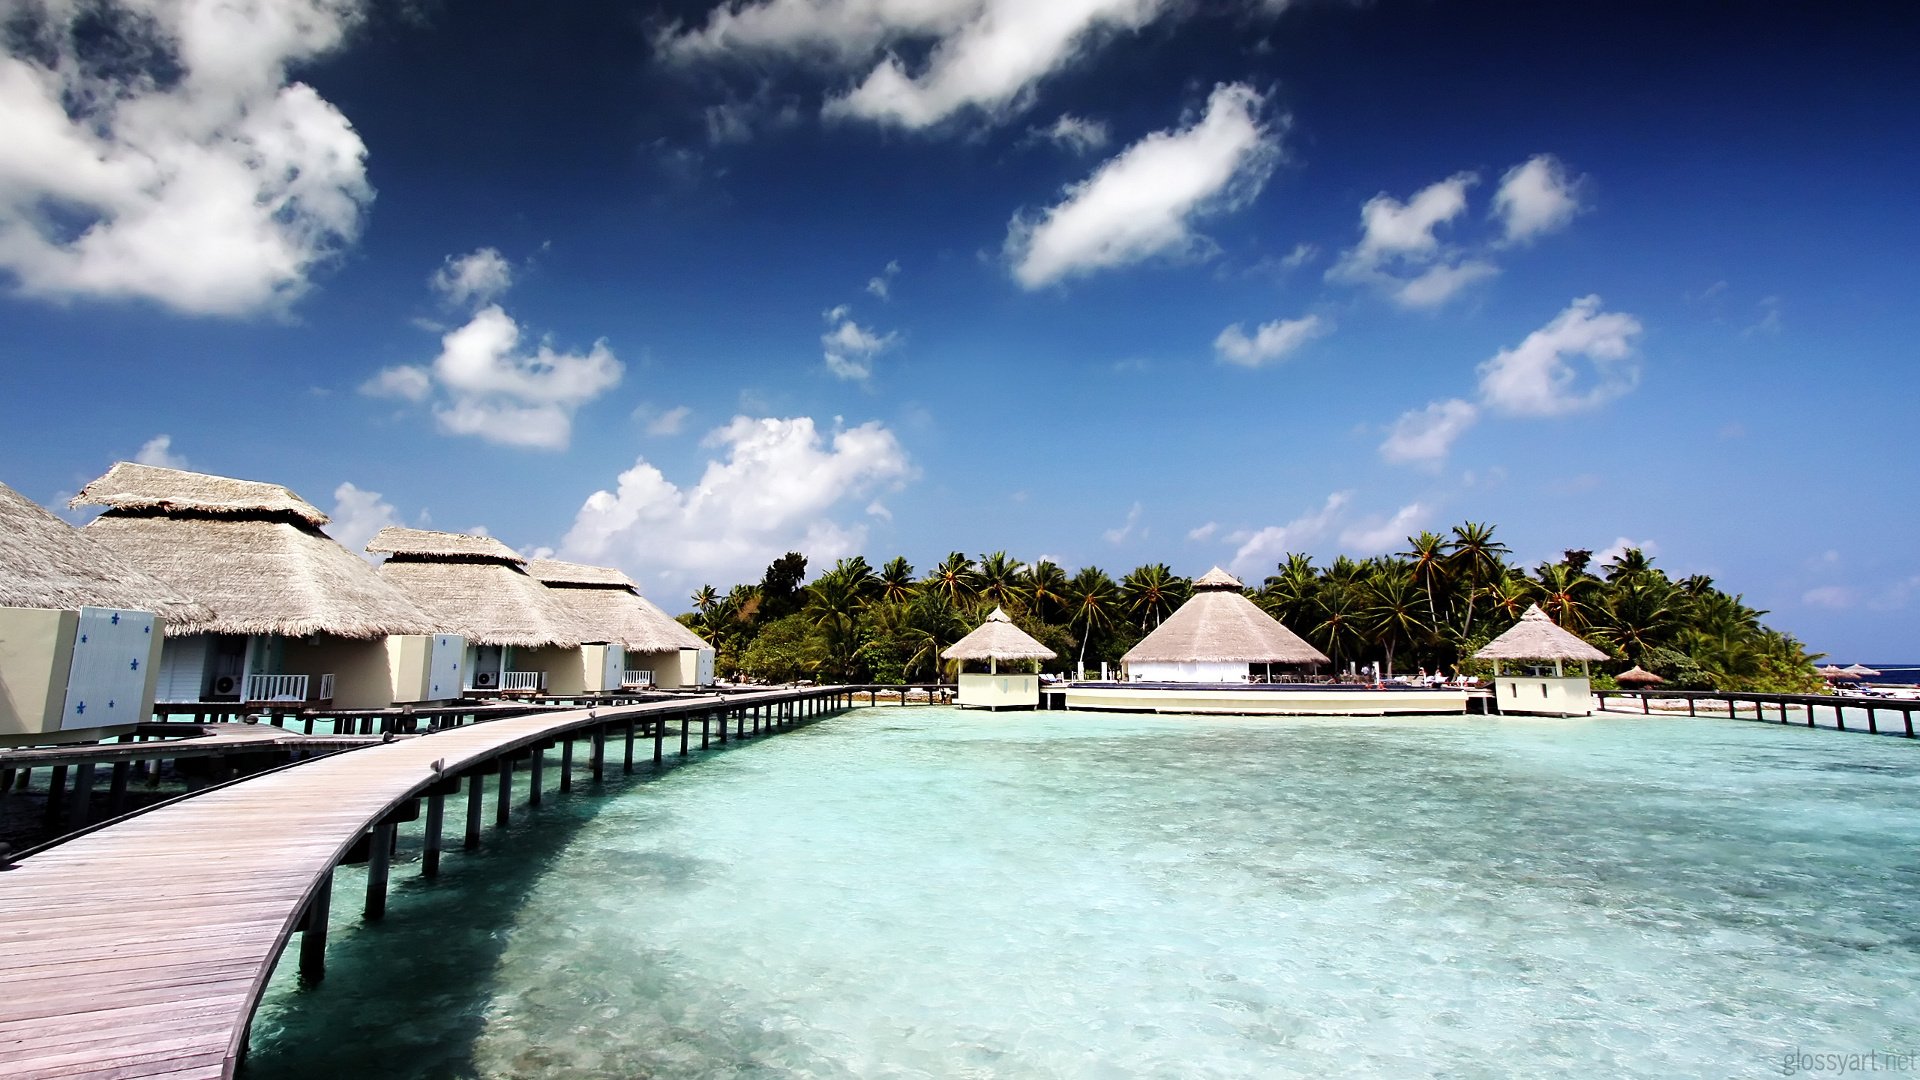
(605, 600)
(478, 587)
(1638, 676)
(998, 639)
(51, 564)
(151, 489)
(427, 543)
(1536, 637)
(262, 576)
(1841, 674)
(1219, 625)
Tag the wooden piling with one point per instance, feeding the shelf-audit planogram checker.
(685, 723)
(704, 725)
(117, 788)
(379, 863)
(430, 844)
(599, 752)
(536, 769)
(56, 794)
(627, 765)
(81, 802)
(475, 784)
(566, 762)
(503, 808)
(660, 738)
(313, 932)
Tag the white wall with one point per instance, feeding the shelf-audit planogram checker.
(1188, 673)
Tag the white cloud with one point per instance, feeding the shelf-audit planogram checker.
(1119, 535)
(1203, 532)
(773, 488)
(1076, 133)
(159, 451)
(1302, 254)
(1619, 546)
(1835, 597)
(878, 509)
(1769, 322)
(671, 422)
(356, 516)
(1424, 436)
(1264, 547)
(1271, 342)
(1537, 377)
(851, 348)
(1438, 284)
(882, 284)
(158, 151)
(407, 381)
(1378, 537)
(475, 278)
(1394, 231)
(1142, 203)
(1535, 198)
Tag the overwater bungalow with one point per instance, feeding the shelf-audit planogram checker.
(1538, 638)
(297, 619)
(520, 638)
(992, 642)
(658, 651)
(81, 631)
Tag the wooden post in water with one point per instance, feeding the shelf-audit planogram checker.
(684, 722)
(536, 770)
(503, 809)
(1873, 720)
(566, 761)
(627, 767)
(56, 792)
(379, 863)
(313, 932)
(474, 786)
(703, 727)
(117, 788)
(599, 752)
(660, 741)
(725, 722)
(436, 821)
(82, 800)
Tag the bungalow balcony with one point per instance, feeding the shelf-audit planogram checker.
(288, 690)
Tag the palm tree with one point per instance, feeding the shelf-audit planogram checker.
(896, 580)
(1637, 616)
(1477, 560)
(1508, 595)
(1338, 631)
(955, 578)
(1428, 553)
(1045, 585)
(1565, 592)
(1094, 601)
(999, 579)
(1391, 615)
(1630, 565)
(704, 598)
(1153, 592)
(1289, 595)
(834, 603)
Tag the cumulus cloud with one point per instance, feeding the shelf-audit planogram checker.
(1392, 230)
(1536, 197)
(1539, 377)
(158, 151)
(1260, 548)
(1620, 545)
(1119, 535)
(1379, 536)
(1271, 342)
(356, 516)
(1076, 133)
(1424, 436)
(1203, 532)
(1438, 284)
(850, 348)
(1143, 202)
(881, 285)
(159, 451)
(773, 486)
(474, 278)
(671, 422)
(486, 382)
(980, 56)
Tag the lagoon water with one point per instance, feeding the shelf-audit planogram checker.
(920, 892)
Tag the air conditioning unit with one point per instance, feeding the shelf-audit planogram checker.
(226, 684)
(483, 681)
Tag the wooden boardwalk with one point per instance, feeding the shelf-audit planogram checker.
(142, 948)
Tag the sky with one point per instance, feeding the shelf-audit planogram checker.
(680, 287)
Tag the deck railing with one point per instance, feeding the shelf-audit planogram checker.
(290, 688)
(637, 677)
(523, 681)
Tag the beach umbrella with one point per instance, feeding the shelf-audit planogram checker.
(1838, 674)
(1861, 670)
(1637, 676)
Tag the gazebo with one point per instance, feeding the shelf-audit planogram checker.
(296, 618)
(654, 649)
(1217, 636)
(995, 640)
(1537, 637)
(520, 637)
(81, 631)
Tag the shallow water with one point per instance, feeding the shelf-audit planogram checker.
(922, 892)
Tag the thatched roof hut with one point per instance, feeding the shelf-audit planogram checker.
(998, 639)
(1638, 676)
(1219, 625)
(609, 601)
(51, 564)
(251, 552)
(1537, 637)
(478, 587)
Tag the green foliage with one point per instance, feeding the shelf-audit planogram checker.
(785, 650)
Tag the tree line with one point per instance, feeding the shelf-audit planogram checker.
(1428, 607)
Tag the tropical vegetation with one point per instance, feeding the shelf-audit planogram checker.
(1428, 607)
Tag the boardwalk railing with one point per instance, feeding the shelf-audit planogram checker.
(141, 948)
(287, 688)
(637, 677)
(1782, 708)
(520, 682)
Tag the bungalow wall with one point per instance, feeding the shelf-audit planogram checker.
(566, 668)
(665, 667)
(362, 668)
(53, 686)
(1192, 672)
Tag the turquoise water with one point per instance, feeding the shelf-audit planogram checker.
(921, 892)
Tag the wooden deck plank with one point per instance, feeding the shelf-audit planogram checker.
(141, 949)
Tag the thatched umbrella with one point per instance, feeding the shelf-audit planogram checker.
(1862, 670)
(51, 564)
(605, 598)
(1537, 637)
(1219, 625)
(1831, 673)
(995, 640)
(479, 588)
(252, 552)
(1638, 676)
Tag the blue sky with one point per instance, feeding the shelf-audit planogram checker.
(679, 287)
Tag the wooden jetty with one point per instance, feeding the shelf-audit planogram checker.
(140, 948)
(1782, 708)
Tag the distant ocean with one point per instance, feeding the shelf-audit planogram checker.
(1904, 674)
